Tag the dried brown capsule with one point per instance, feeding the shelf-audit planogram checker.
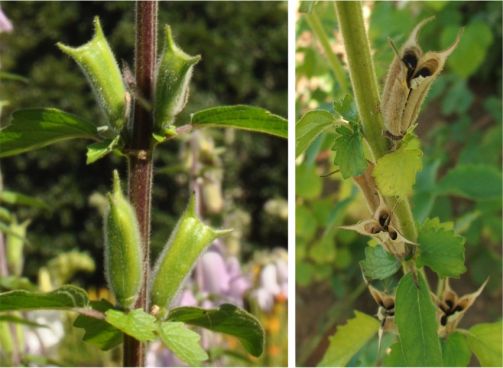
(409, 78)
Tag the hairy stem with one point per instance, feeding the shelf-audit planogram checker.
(364, 82)
(141, 165)
(314, 22)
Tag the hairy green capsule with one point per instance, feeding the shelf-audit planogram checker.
(174, 71)
(123, 252)
(15, 245)
(98, 63)
(187, 242)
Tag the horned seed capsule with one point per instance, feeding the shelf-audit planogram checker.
(186, 243)
(98, 63)
(174, 72)
(123, 252)
(408, 81)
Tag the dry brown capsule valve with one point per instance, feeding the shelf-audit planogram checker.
(409, 78)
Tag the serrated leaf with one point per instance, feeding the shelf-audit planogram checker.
(99, 150)
(455, 350)
(485, 342)
(349, 339)
(441, 249)
(244, 117)
(32, 129)
(379, 264)
(98, 332)
(415, 317)
(476, 182)
(346, 108)
(395, 172)
(227, 319)
(137, 323)
(310, 126)
(349, 154)
(65, 297)
(183, 342)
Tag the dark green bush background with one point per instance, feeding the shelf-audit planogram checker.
(244, 51)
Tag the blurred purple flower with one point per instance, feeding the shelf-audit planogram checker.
(5, 23)
(273, 284)
(222, 278)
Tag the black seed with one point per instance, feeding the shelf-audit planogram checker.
(410, 61)
(393, 235)
(458, 308)
(423, 72)
(383, 218)
(443, 320)
(449, 303)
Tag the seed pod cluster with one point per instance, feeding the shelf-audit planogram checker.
(187, 242)
(174, 72)
(409, 78)
(98, 63)
(123, 252)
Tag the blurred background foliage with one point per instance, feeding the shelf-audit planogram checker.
(461, 133)
(244, 60)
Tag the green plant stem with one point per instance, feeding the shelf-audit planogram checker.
(364, 82)
(141, 164)
(314, 22)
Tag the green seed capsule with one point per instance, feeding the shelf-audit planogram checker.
(187, 242)
(172, 82)
(15, 245)
(98, 63)
(123, 252)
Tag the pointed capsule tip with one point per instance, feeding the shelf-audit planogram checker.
(222, 232)
(116, 183)
(98, 30)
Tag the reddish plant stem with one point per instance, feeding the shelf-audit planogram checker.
(140, 164)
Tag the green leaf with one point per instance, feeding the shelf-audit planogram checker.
(310, 126)
(306, 6)
(441, 249)
(227, 319)
(346, 107)
(136, 323)
(308, 183)
(183, 342)
(395, 172)
(471, 51)
(417, 323)
(32, 129)
(250, 118)
(99, 150)
(65, 297)
(21, 199)
(484, 340)
(476, 182)
(349, 339)
(12, 77)
(15, 282)
(395, 357)
(348, 147)
(22, 321)
(98, 332)
(455, 350)
(379, 264)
